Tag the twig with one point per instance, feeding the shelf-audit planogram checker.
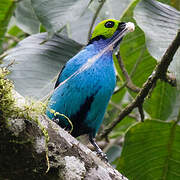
(10, 64)
(14, 38)
(159, 73)
(120, 88)
(171, 79)
(141, 112)
(133, 70)
(120, 109)
(3, 55)
(94, 18)
(129, 82)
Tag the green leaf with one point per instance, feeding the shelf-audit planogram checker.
(160, 23)
(122, 127)
(29, 23)
(134, 53)
(6, 11)
(37, 64)
(151, 151)
(118, 97)
(15, 31)
(55, 14)
(162, 101)
(176, 4)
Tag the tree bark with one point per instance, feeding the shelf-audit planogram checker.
(40, 149)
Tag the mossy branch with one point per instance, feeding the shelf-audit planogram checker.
(34, 147)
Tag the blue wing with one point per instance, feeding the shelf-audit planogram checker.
(73, 65)
(58, 79)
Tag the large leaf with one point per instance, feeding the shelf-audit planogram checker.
(122, 127)
(78, 30)
(111, 8)
(151, 151)
(55, 14)
(6, 11)
(26, 18)
(37, 64)
(162, 101)
(134, 53)
(160, 23)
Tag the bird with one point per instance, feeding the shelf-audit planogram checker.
(86, 83)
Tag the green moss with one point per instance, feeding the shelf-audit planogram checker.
(29, 110)
(7, 102)
(8, 108)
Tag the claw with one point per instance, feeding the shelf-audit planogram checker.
(98, 149)
(102, 156)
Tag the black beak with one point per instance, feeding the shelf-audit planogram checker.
(121, 26)
(122, 29)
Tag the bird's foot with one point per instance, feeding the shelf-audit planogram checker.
(98, 149)
(102, 156)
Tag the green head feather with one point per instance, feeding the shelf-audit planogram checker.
(103, 30)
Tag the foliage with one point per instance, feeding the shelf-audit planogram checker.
(49, 33)
(151, 150)
(6, 11)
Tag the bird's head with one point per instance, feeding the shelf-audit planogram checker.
(112, 31)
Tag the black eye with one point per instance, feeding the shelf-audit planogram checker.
(109, 24)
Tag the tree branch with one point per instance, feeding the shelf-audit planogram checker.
(34, 147)
(159, 73)
(95, 17)
(134, 116)
(128, 82)
(170, 78)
